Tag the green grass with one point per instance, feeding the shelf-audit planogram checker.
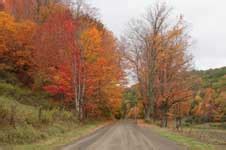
(218, 126)
(56, 126)
(57, 139)
(191, 143)
(28, 126)
(188, 142)
(23, 95)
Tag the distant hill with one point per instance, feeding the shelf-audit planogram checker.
(213, 78)
(209, 102)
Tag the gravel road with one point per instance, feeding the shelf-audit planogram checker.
(124, 136)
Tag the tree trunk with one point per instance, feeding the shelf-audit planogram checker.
(178, 123)
(148, 113)
(150, 106)
(151, 79)
(165, 121)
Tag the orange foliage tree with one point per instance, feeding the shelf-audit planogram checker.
(102, 72)
(80, 63)
(172, 84)
(16, 44)
(55, 50)
(157, 51)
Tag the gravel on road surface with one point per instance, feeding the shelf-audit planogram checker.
(124, 135)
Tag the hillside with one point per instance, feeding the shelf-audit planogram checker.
(28, 117)
(213, 78)
(210, 95)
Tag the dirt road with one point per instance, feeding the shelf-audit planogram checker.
(124, 136)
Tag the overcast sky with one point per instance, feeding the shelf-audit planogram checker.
(207, 20)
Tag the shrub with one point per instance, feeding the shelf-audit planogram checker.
(20, 135)
(32, 119)
(47, 117)
(56, 130)
(223, 119)
(23, 95)
(223, 126)
(4, 112)
(8, 77)
(65, 115)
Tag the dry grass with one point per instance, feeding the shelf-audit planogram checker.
(202, 136)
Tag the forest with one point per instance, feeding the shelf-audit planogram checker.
(206, 104)
(62, 70)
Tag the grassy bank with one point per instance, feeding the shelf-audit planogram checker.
(189, 142)
(25, 122)
(213, 133)
(57, 139)
(29, 121)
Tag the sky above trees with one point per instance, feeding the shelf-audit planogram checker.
(205, 19)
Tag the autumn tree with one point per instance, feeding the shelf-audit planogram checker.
(60, 86)
(2, 5)
(173, 79)
(130, 101)
(79, 63)
(157, 51)
(102, 70)
(55, 54)
(35, 10)
(143, 41)
(16, 45)
(208, 102)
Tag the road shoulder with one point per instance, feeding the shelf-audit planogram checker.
(88, 138)
(184, 141)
